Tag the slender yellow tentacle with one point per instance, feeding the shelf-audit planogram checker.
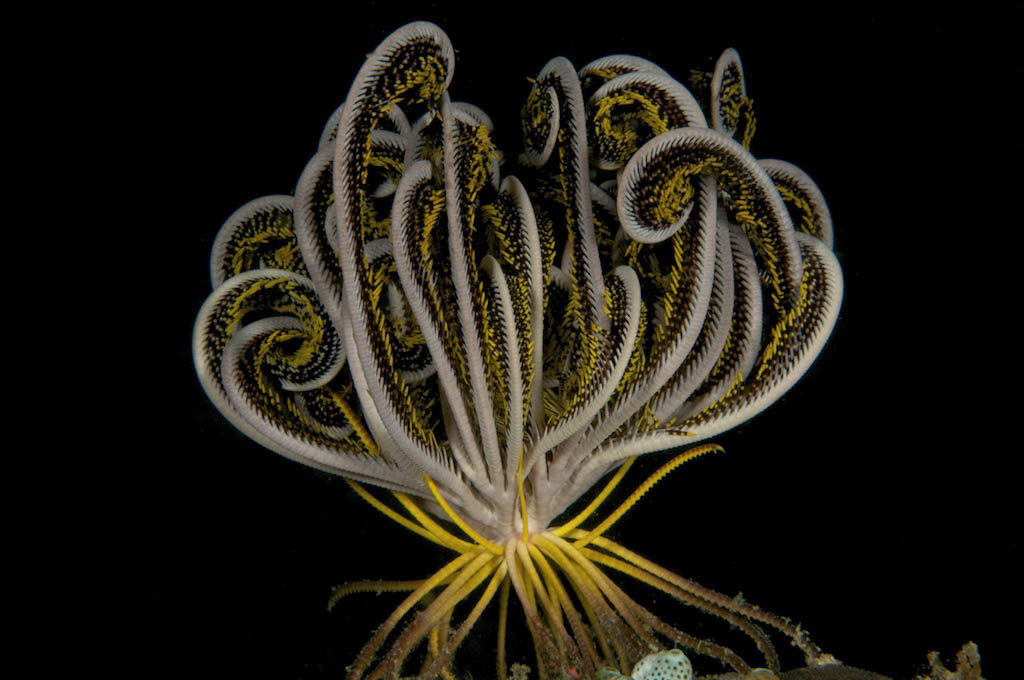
(453, 643)
(534, 555)
(660, 473)
(598, 612)
(553, 614)
(446, 625)
(718, 652)
(445, 538)
(594, 504)
(459, 522)
(764, 645)
(605, 620)
(608, 589)
(468, 578)
(433, 648)
(564, 602)
(798, 636)
(490, 566)
(524, 589)
(522, 500)
(569, 650)
(502, 625)
(391, 514)
(377, 640)
(369, 586)
(679, 638)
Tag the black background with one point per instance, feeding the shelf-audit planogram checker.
(874, 503)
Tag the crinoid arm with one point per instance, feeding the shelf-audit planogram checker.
(475, 350)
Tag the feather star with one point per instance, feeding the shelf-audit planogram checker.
(483, 349)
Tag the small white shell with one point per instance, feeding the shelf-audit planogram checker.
(668, 665)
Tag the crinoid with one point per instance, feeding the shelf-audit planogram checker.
(487, 348)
